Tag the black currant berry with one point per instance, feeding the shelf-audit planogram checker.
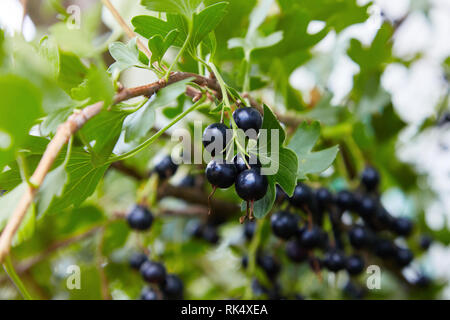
(334, 261)
(269, 264)
(295, 252)
(172, 287)
(166, 168)
(403, 257)
(244, 262)
(359, 237)
(153, 272)
(188, 182)
(324, 197)
(345, 200)
(258, 289)
(302, 196)
(370, 178)
(402, 226)
(248, 118)
(221, 175)
(210, 234)
(367, 206)
(384, 248)
(137, 259)
(251, 185)
(353, 291)
(140, 218)
(196, 230)
(284, 224)
(422, 281)
(249, 229)
(240, 164)
(149, 294)
(354, 264)
(215, 138)
(311, 238)
(384, 218)
(425, 242)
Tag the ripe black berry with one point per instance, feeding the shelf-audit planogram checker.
(384, 248)
(221, 175)
(359, 237)
(240, 164)
(403, 257)
(215, 137)
(367, 206)
(251, 185)
(425, 242)
(311, 238)
(140, 218)
(196, 230)
(188, 181)
(269, 264)
(345, 200)
(302, 196)
(295, 252)
(354, 264)
(402, 226)
(172, 288)
(248, 118)
(384, 218)
(210, 234)
(149, 294)
(244, 262)
(249, 229)
(153, 272)
(370, 178)
(334, 261)
(284, 224)
(137, 259)
(324, 197)
(166, 168)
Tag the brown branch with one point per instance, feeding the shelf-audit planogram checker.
(74, 123)
(191, 195)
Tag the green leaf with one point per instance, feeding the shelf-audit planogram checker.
(72, 71)
(184, 7)
(72, 222)
(53, 120)
(102, 133)
(126, 56)
(302, 143)
(283, 159)
(83, 178)
(48, 49)
(51, 188)
(20, 106)
(159, 45)
(148, 26)
(96, 87)
(140, 122)
(208, 20)
(115, 236)
(8, 203)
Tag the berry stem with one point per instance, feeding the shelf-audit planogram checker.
(11, 272)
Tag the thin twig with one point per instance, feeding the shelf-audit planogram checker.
(74, 123)
(126, 28)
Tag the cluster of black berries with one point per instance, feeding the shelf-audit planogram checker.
(244, 172)
(163, 285)
(369, 230)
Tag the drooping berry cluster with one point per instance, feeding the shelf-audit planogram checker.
(243, 171)
(369, 233)
(162, 285)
